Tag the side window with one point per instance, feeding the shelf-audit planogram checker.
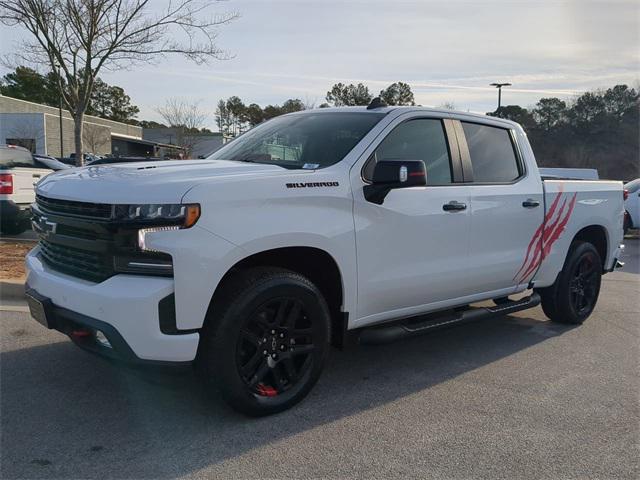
(493, 157)
(421, 139)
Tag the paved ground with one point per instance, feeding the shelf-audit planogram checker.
(516, 397)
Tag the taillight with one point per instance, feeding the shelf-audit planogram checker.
(6, 183)
(625, 194)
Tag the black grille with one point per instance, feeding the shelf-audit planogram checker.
(67, 207)
(91, 266)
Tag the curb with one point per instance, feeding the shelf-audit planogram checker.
(11, 290)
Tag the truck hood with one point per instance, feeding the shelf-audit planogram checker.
(143, 182)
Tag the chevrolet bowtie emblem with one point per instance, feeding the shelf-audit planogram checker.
(43, 226)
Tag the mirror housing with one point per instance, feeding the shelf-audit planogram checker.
(389, 175)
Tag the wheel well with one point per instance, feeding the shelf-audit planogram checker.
(597, 236)
(313, 263)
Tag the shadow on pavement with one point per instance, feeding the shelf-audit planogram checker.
(93, 419)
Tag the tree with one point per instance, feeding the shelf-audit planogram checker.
(77, 39)
(398, 93)
(253, 115)
(112, 103)
(515, 113)
(233, 117)
(95, 137)
(549, 112)
(448, 106)
(293, 105)
(150, 124)
(348, 95)
(236, 111)
(27, 84)
(187, 118)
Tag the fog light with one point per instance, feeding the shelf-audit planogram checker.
(102, 339)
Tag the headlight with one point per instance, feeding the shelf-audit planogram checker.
(142, 236)
(161, 214)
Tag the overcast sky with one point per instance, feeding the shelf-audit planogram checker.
(448, 51)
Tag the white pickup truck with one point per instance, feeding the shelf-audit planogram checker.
(19, 172)
(318, 226)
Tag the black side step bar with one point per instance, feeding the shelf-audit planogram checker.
(427, 323)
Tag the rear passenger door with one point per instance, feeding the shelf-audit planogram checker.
(506, 204)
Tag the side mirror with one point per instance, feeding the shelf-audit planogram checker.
(389, 175)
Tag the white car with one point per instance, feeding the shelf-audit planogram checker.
(311, 229)
(19, 172)
(632, 205)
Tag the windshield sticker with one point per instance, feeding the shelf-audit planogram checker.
(310, 166)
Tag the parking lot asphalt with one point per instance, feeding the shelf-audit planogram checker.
(514, 397)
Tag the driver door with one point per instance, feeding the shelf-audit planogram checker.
(412, 250)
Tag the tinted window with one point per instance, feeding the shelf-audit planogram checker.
(313, 139)
(492, 155)
(421, 139)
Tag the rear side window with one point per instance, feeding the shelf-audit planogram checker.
(493, 157)
(15, 157)
(420, 139)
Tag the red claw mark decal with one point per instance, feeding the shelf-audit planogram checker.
(546, 235)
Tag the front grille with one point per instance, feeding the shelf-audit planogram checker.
(91, 266)
(68, 207)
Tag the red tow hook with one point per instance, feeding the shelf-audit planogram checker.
(81, 333)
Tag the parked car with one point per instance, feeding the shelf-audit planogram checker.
(632, 205)
(50, 162)
(308, 230)
(19, 172)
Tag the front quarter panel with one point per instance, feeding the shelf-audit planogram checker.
(242, 216)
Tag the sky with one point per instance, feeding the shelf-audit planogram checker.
(448, 51)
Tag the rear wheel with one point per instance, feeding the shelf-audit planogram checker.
(266, 341)
(573, 296)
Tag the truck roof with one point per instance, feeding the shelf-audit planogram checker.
(409, 108)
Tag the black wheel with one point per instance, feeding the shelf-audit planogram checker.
(13, 228)
(574, 295)
(265, 342)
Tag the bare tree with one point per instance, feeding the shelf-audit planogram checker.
(79, 38)
(449, 105)
(95, 137)
(186, 118)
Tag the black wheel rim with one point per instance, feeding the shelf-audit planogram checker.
(275, 349)
(584, 285)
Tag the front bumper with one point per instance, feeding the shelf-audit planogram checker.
(125, 308)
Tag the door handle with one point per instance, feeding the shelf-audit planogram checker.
(454, 206)
(530, 203)
(36, 175)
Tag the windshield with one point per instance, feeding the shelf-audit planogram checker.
(308, 140)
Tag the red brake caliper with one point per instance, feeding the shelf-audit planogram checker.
(266, 390)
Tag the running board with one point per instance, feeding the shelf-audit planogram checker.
(428, 323)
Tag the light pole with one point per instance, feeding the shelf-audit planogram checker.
(60, 112)
(499, 87)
